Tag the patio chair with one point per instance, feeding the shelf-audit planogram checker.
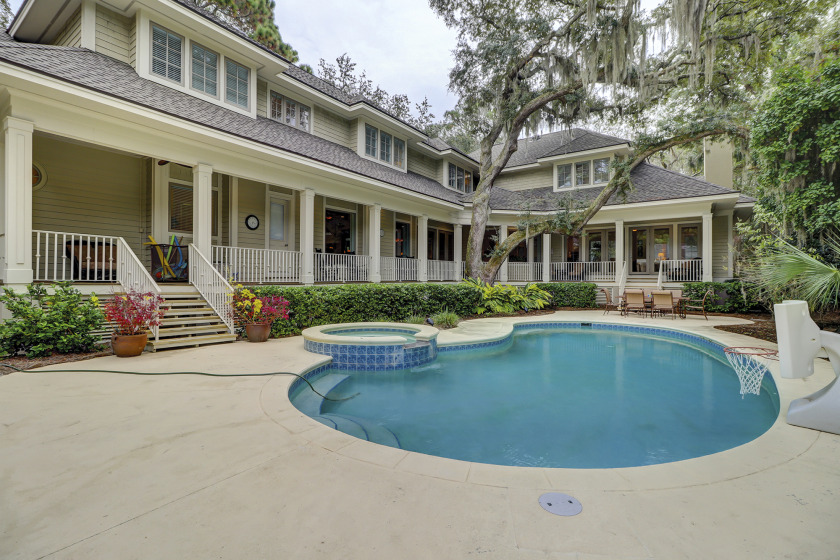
(698, 305)
(609, 304)
(634, 300)
(661, 302)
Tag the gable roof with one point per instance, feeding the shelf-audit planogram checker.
(563, 142)
(111, 77)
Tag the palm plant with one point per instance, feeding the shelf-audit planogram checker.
(785, 271)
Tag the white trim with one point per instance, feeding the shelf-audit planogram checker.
(88, 25)
(356, 236)
(362, 139)
(573, 163)
(285, 98)
(586, 154)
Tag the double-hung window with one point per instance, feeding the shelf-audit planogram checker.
(205, 70)
(290, 112)
(385, 146)
(582, 173)
(564, 175)
(399, 153)
(371, 135)
(601, 170)
(167, 53)
(460, 179)
(236, 81)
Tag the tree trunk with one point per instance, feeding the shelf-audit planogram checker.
(475, 241)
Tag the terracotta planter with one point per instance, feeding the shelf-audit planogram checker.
(128, 345)
(257, 333)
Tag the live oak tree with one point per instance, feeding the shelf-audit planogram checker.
(524, 63)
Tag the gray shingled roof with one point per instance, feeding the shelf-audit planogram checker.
(104, 74)
(555, 144)
(650, 183)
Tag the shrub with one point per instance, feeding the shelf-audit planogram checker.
(729, 297)
(43, 323)
(416, 320)
(504, 298)
(445, 320)
(571, 294)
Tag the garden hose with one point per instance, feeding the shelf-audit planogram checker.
(192, 373)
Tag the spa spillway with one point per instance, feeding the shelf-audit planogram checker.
(373, 346)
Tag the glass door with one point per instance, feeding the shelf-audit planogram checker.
(661, 246)
(402, 239)
(639, 250)
(279, 223)
(340, 232)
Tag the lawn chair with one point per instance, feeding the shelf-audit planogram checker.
(634, 300)
(698, 305)
(609, 304)
(661, 302)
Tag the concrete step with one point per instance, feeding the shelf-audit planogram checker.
(189, 341)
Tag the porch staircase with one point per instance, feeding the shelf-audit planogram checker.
(188, 322)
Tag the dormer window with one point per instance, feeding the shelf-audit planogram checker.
(564, 175)
(601, 170)
(290, 112)
(167, 53)
(399, 153)
(205, 70)
(384, 147)
(582, 173)
(460, 179)
(371, 135)
(236, 80)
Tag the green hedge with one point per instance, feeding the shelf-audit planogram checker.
(571, 294)
(729, 297)
(354, 303)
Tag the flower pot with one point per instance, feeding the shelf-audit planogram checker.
(128, 345)
(257, 333)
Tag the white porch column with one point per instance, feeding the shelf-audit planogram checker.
(307, 236)
(707, 247)
(619, 248)
(546, 257)
(422, 250)
(374, 227)
(203, 209)
(457, 249)
(17, 201)
(503, 270)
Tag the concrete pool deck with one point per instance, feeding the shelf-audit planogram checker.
(100, 465)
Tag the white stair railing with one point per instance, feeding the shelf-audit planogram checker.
(132, 275)
(338, 267)
(257, 266)
(398, 269)
(212, 286)
(598, 271)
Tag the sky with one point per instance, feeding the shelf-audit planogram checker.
(402, 45)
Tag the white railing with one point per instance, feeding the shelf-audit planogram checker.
(132, 275)
(59, 256)
(398, 269)
(212, 286)
(601, 271)
(524, 272)
(444, 271)
(331, 267)
(685, 270)
(257, 266)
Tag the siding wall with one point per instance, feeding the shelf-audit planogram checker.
(423, 165)
(251, 201)
(386, 242)
(262, 98)
(90, 191)
(331, 127)
(71, 35)
(132, 44)
(530, 179)
(318, 226)
(224, 206)
(557, 247)
(354, 135)
(113, 34)
(720, 247)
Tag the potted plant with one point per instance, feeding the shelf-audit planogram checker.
(133, 313)
(257, 314)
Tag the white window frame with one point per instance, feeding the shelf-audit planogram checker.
(152, 72)
(290, 218)
(467, 188)
(377, 157)
(573, 164)
(354, 232)
(248, 91)
(284, 102)
(218, 61)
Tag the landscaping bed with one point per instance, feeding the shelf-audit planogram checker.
(22, 362)
(764, 325)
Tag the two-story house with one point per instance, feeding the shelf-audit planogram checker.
(135, 120)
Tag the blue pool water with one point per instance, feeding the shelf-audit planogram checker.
(557, 397)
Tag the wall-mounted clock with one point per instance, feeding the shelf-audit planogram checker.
(252, 222)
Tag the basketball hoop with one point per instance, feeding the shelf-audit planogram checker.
(745, 362)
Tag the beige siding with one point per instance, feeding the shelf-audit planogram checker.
(354, 135)
(251, 201)
(557, 247)
(318, 226)
(331, 127)
(224, 208)
(262, 98)
(386, 243)
(720, 247)
(530, 179)
(113, 34)
(180, 172)
(423, 165)
(148, 171)
(71, 34)
(89, 191)
(132, 44)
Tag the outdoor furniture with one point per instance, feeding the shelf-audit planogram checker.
(92, 260)
(662, 301)
(634, 300)
(698, 305)
(610, 305)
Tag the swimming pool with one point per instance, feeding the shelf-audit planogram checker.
(555, 396)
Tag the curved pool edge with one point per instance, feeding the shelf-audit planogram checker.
(321, 334)
(778, 445)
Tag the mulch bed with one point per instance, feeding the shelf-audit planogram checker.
(22, 362)
(764, 326)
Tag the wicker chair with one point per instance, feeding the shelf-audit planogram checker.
(662, 301)
(698, 305)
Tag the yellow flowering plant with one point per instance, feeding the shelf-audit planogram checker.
(252, 310)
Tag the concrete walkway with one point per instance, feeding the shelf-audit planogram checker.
(99, 465)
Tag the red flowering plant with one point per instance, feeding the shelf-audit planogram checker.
(134, 312)
(252, 310)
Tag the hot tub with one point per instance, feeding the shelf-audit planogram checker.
(373, 346)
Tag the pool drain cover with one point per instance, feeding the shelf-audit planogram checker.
(560, 504)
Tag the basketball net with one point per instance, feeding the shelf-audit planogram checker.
(749, 363)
